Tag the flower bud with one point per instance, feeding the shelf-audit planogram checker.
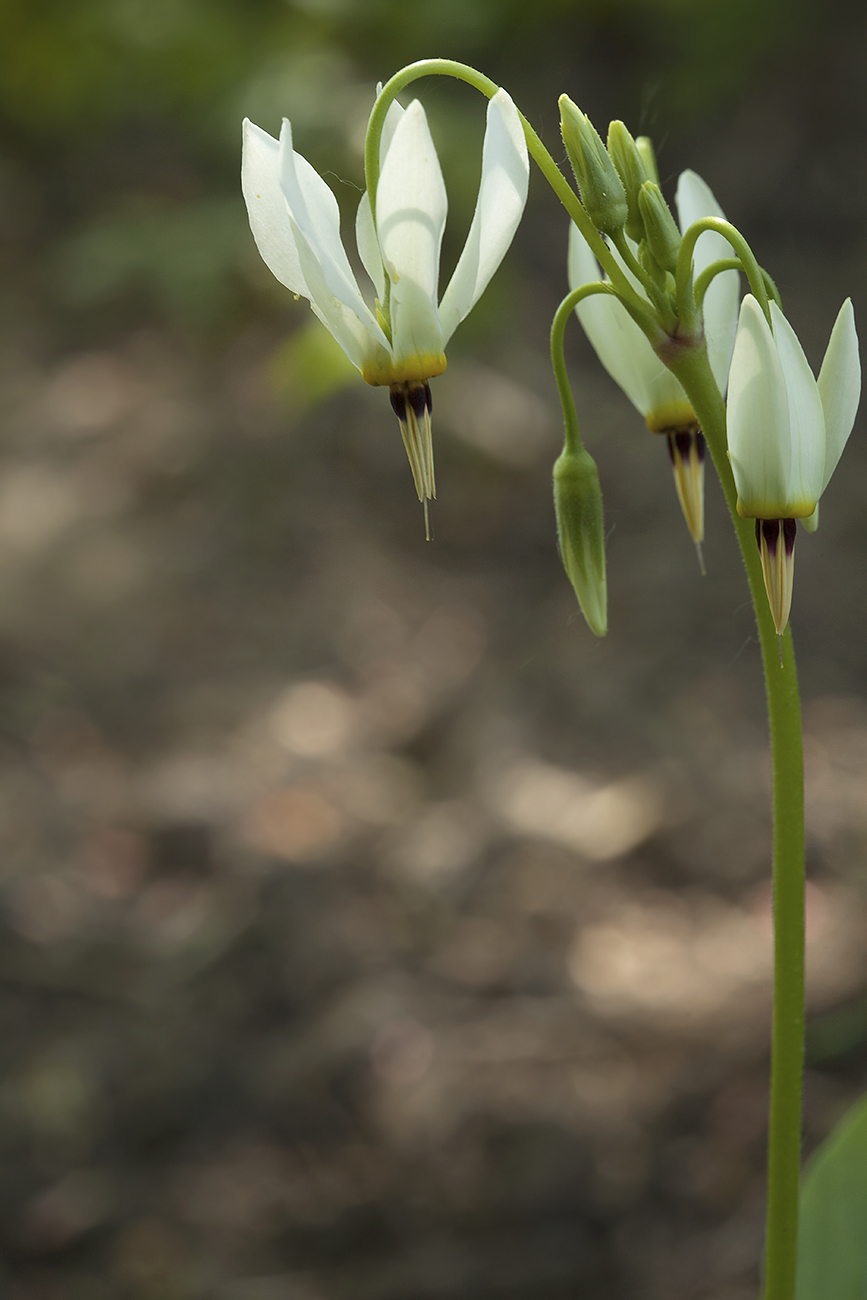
(624, 154)
(647, 154)
(662, 234)
(599, 185)
(581, 532)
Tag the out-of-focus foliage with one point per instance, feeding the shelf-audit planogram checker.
(832, 1240)
(121, 117)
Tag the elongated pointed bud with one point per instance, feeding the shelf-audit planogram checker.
(599, 185)
(776, 542)
(624, 154)
(581, 532)
(647, 153)
(660, 227)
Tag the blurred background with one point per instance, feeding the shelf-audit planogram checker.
(369, 930)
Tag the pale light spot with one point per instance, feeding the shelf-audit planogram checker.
(662, 957)
(381, 789)
(36, 505)
(194, 787)
(598, 821)
(92, 392)
(683, 960)
(440, 844)
(313, 720)
(490, 411)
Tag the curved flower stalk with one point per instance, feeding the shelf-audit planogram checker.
(401, 341)
(786, 432)
(628, 356)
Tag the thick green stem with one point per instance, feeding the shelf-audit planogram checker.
(784, 711)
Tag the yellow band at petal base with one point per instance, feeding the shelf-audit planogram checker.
(413, 370)
(766, 509)
(672, 417)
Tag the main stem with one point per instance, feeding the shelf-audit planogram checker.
(784, 712)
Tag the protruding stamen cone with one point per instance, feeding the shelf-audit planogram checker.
(776, 542)
(411, 403)
(686, 449)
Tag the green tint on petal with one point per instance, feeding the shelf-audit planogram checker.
(410, 218)
(806, 418)
(368, 246)
(267, 209)
(694, 201)
(499, 208)
(758, 419)
(839, 386)
(315, 219)
(620, 344)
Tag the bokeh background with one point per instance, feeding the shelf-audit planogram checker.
(370, 931)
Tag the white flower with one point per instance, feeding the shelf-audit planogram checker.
(296, 225)
(626, 353)
(622, 346)
(787, 431)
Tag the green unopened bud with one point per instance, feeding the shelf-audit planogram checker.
(599, 185)
(632, 172)
(660, 227)
(581, 531)
(647, 153)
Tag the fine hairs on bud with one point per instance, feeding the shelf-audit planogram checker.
(599, 184)
(663, 236)
(623, 152)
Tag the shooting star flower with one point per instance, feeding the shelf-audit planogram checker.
(786, 432)
(630, 360)
(401, 341)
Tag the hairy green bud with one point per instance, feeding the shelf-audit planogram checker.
(581, 532)
(599, 185)
(660, 227)
(646, 152)
(632, 172)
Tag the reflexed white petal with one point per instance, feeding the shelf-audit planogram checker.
(361, 338)
(334, 294)
(313, 209)
(758, 418)
(839, 386)
(695, 200)
(410, 219)
(500, 205)
(806, 418)
(266, 207)
(581, 265)
(368, 246)
(392, 117)
(620, 345)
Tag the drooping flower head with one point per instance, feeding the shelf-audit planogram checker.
(787, 431)
(628, 356)
(401, 341)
